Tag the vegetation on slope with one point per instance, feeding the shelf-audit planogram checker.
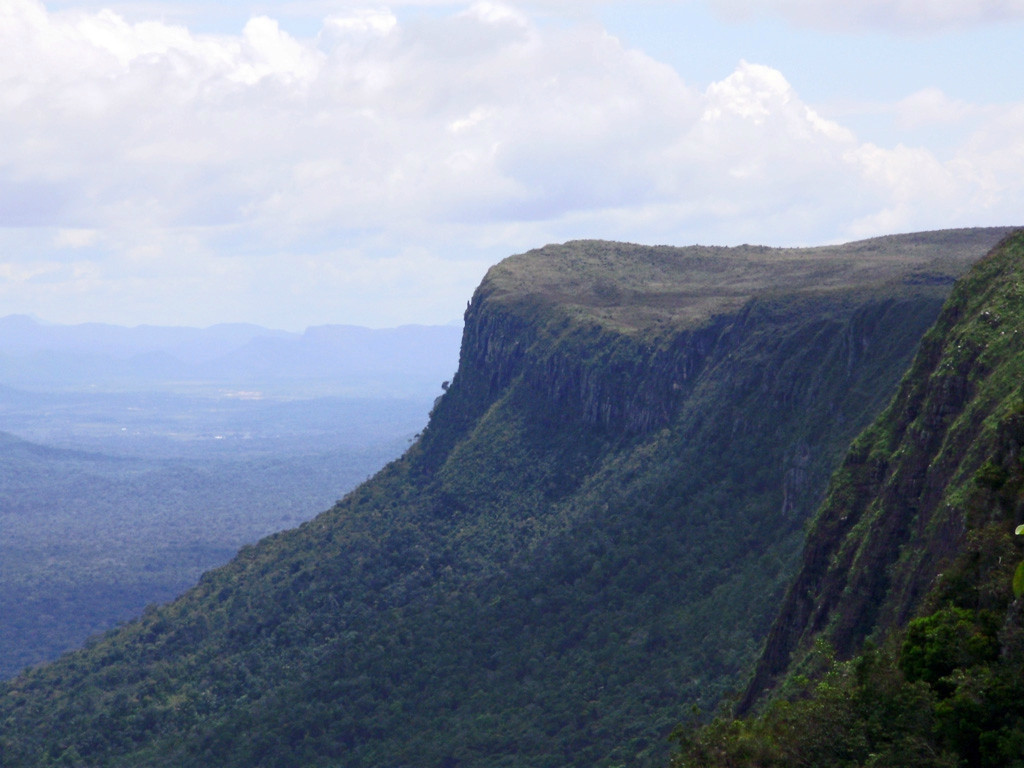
(908, 570)
(604, 283)
(90, 538)
(590, 535)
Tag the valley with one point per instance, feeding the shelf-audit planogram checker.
(589, 539)
(119, 491)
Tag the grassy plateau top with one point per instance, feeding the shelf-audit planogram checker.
(630, 288)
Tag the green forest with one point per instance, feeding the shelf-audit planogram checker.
(913, 653)
(599, 537)
(94, 534)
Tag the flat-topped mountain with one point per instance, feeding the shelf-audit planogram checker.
(590, 537)
(630, 288)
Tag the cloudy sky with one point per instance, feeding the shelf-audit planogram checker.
(301, 162)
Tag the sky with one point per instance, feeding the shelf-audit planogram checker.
(294, 163)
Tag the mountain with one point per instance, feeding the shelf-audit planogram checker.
(326, 360)
(904, 626)
(591, 535)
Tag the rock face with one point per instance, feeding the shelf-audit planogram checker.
(590, 536)
(616, 334)
(600, 379)
(923, 506)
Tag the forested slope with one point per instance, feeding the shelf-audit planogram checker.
(590, 536)
(88, 540)
(901, 641)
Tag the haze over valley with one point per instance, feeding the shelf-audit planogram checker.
(135, 459)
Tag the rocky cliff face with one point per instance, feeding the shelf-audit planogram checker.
(600, 379)
(615, 335)
(590, 536)
(922, 509)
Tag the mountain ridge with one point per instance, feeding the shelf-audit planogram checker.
(327, 359)
(588, 537)
(901, 638)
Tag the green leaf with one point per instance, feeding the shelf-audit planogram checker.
(1020, 530)
(1018, 580)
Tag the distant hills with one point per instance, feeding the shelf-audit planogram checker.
(590, 538)
(325, 360)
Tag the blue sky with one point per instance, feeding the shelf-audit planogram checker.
(296, 163)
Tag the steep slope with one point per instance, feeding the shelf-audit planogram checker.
(589, 536)
(901, 641)
(925, 495)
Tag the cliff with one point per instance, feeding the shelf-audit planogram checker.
(589, 537)
(922, 509)
(616, 333)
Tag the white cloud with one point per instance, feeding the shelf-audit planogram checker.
(903, 181)
(269, 52)
(76, 238)
(993, 162)
(892, 15)
(752, 93)
(274, 177)
(361, 21)
(930, 106)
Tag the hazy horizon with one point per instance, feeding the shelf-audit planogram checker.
(44, 322)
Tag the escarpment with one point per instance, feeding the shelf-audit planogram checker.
(614, 335)
(922, 508)
(589, 374)
(590, 536)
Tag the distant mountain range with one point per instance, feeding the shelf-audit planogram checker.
(323, 360)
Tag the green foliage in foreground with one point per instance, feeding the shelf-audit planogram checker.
(950, 694)
(1018, 575)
